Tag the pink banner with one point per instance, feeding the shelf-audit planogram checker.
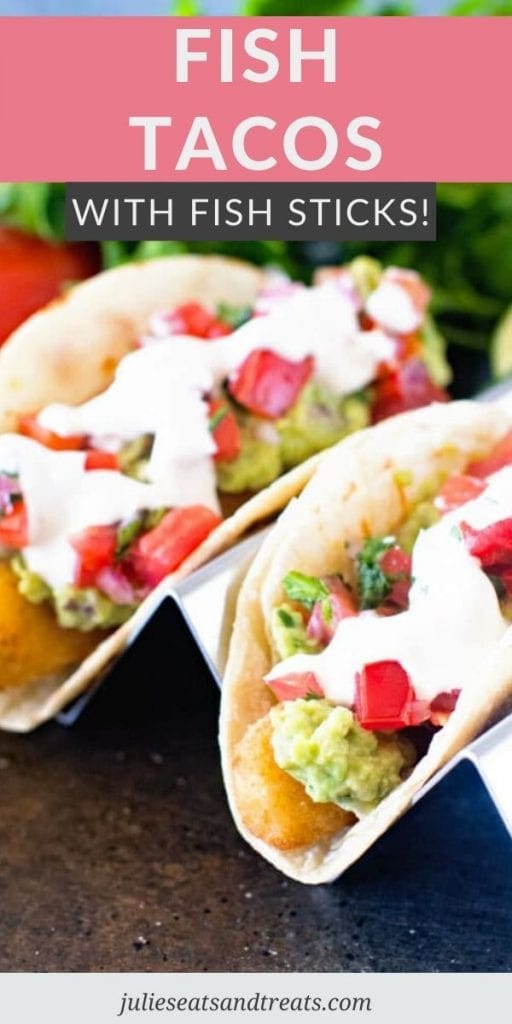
(276, 99)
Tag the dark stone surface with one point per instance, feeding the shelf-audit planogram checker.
(118, 853)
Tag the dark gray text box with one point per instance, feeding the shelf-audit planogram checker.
(240, 211)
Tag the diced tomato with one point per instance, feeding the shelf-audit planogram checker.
(269, 385)
(417, 712)
(442, 707)
(225, 430)
(218, 329)
(96, 459)
(34, 271)
(407, 387)
(457, 490)
(385, 698)
(398, 597)
(160, 551)
(445, 701)
(196, 319)
(30, 427)
(395, 562)
(408, 346)
(500, 456)
(341, 604)
(492, 545)
(397, 565)
(365, 322)
(14, 527)
(383, 690)
(96, 549)
(295, 685)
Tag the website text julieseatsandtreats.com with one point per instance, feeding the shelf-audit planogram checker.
(258, 1002)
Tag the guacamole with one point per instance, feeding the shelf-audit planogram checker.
(75, 608)
(257, 465)
(366, 274)
(289, 633)
(134, 456)
(317, 420)
(337, 761)
(422, 516)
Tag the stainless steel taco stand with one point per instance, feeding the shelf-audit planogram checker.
(491, 758)
(200, 607)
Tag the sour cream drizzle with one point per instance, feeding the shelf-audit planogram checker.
(391, 306)
(452, 623)
(62, 499)
(159, 389)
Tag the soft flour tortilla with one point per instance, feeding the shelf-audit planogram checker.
(68, 352)
(354, 494)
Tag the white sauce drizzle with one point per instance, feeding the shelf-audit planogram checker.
(452, 623)
(159, 389)
(391, 307)
(62, 499)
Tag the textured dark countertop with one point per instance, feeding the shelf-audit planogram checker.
(118, 853)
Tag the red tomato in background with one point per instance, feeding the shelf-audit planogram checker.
(34, 271)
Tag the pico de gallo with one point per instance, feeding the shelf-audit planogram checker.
(95, 543)
(370, 665)
(211, 399)
(278, 382)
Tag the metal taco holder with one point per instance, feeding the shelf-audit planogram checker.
(205, 602)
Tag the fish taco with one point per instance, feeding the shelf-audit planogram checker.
(372, 637)
(152, 416)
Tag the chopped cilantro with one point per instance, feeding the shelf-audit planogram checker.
(127, 532)
(130, 529)
(153, 516)
(217, 418)
(373, 585)
(285, 617)
(235, 316)
(307, 590)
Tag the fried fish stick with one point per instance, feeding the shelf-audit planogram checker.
(32, 644)
(273, 805)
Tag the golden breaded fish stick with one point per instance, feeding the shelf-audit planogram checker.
(273, 806)
(32, 644)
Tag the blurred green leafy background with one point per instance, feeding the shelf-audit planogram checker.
(469, 266)
(296, 8)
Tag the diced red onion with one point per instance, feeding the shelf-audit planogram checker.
(112, 582)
